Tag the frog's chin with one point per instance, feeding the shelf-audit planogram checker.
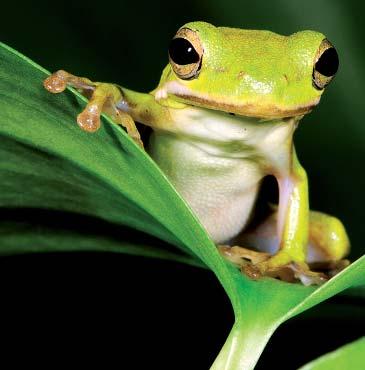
(261, 111)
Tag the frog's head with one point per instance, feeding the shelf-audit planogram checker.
(248, 72)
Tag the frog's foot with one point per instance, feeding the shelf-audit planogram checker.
(308, 274)
(258, 264)
(239, 255)
(282, 266)
(245, 259)
(103, 99)
(316, 273)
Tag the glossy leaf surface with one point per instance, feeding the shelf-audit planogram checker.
(47, 164)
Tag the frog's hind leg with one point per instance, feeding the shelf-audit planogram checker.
(103, 99)
(328, 244)
(327, 237)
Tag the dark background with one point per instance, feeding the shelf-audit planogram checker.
(95, 306)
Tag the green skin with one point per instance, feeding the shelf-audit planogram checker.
(265, 80)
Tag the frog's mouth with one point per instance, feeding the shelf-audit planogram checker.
(265, 111)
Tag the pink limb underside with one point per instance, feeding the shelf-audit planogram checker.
(264, 238)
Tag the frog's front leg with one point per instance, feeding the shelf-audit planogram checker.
(104, 98)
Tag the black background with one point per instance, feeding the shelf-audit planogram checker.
(121, 311)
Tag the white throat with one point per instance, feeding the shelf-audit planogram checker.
(226, 135)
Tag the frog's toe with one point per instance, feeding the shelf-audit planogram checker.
(291, 272)
(89, 119)
(317, 273)
(253, 271)
(56, 82)
(242, 256)
(306, 276)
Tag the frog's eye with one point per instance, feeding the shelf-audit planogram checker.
(185, 54)
(325, 65)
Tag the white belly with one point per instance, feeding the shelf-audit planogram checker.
(220, 190)
(216, 161)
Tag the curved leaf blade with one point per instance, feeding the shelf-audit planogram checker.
(47, 162)
(350, 356)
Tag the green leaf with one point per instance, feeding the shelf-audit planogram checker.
(350, 356)
(49, 166)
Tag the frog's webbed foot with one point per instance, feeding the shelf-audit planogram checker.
(314, 273)
(103, 99)
(245, 259)
(258, 264)
(239, 255)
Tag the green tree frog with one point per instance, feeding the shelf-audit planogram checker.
(223, 117)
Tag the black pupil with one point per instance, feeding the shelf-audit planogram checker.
(327, 64)
(182, 52)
